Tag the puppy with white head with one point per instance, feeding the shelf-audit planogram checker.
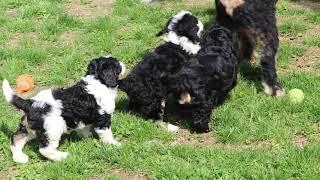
(51, 113)
(145, 85)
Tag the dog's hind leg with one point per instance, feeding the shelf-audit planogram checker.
(103, 129)
(19, 139)
(49, 138)
(270, 43)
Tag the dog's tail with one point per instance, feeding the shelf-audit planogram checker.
(18, 102)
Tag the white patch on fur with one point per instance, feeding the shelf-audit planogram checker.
(184, 42)
(176, 18)
(123, 68)
(172, 128)
(107, 56)
(7, 91)
(163, 103)
(200, 26)
(105, 97)
(106, 136)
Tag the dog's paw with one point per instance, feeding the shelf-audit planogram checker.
(112, 142)
(274, 90)
(54, 155)
(172, 128)
(20, 158)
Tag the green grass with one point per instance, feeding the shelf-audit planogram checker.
(30, 38)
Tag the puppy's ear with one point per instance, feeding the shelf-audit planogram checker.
(92, 67)
(165, 28)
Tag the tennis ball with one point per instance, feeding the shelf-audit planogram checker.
(296, 96)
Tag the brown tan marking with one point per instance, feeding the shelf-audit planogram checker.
(230, 5)
(185, 98)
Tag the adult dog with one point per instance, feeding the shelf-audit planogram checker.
(255, 23)
(51, 113)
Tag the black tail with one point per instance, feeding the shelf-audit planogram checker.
(23, 104)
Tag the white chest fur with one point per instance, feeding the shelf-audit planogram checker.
(105, 97)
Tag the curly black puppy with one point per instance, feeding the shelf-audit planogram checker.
(144, 85)
(205, 81)
(51, 113)
(255, 23)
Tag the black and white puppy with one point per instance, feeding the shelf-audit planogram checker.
(51, 113)
(205, 81)
(144, 85)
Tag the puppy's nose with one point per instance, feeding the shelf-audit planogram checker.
(123, 68)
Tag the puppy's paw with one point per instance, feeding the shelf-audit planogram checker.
(112, 142)
(172, 128)
(20, 158)
(54, 155)
(62, 155)
(273, 90)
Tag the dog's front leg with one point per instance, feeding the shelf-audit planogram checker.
(103, 129)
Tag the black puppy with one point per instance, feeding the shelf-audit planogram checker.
(52, 113)
(144, 86)
(255, 23)
(205, 81)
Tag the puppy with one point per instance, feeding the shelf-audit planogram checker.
(51, 113)
(144, 86)
(254, 22)
(205, 81)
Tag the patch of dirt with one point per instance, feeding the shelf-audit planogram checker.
(123, 175)
(300, 140)
(8, 172)
(15, 39)
(69, 37)
(307, 4)
(310, 61)
(10, 12)
(197, 3)
(185, 137)
(89, 8)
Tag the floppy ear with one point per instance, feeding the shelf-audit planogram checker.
(165, 28)
(92, 68)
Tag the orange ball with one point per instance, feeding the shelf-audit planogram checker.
(24, 83)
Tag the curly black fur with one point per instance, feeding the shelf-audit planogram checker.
(254, 22)
(144, 86)
(208, 77)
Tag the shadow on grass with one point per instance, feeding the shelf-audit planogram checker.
(251, 73)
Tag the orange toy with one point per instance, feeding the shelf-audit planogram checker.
(24, 83)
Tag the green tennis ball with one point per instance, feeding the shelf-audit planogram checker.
(296, 96)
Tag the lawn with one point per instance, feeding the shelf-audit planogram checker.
(253, 136)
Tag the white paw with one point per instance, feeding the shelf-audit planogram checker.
(54, 155)
(58, 156)
(62, 155)
(20, 158)
(172, 128)
(112, 142)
